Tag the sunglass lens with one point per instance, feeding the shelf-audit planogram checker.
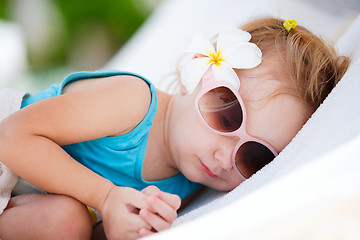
(221, 109)
(251, 157)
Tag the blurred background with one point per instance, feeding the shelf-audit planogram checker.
(41, 41)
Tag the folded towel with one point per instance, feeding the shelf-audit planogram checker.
(10, 101)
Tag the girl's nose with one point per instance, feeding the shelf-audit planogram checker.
(224, 153)
(224, 159)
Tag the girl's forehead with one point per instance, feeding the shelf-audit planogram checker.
(257, 85)
(265, 79)
(276, 118)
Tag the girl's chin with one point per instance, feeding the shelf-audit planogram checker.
(222, 185)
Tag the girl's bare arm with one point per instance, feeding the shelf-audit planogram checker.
(30, 139)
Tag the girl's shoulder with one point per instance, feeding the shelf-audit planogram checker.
(128, 82)
(127, 97)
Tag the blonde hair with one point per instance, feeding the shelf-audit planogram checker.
(312, 64)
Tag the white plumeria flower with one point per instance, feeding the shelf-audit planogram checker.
(233, 50)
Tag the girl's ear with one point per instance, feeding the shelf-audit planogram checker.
(183, 90)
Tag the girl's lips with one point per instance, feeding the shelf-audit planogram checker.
(207, 170)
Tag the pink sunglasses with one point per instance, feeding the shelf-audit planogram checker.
(223, 111)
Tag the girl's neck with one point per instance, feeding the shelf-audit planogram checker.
(158, 163)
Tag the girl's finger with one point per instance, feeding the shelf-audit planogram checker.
(157, 222)
(150, 190)
(135, 198)
(162, 208)
(172, 200)
(143, 232)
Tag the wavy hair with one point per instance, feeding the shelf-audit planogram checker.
(312, 64)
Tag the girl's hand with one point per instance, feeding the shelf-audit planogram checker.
(120, 213)
(162, 210)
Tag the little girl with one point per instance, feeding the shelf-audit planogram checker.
(110, 141)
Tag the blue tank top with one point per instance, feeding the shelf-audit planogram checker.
(118, 159)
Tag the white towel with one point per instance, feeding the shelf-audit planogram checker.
(10, 102)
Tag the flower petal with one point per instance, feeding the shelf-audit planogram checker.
(242, 55)
(224, 72)
(230, 36)
(200, 44)
(193, 71)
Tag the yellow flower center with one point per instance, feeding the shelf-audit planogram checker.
(215, 58)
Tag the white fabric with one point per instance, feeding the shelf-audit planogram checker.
(10, 101)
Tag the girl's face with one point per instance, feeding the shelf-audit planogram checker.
(205, 156)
